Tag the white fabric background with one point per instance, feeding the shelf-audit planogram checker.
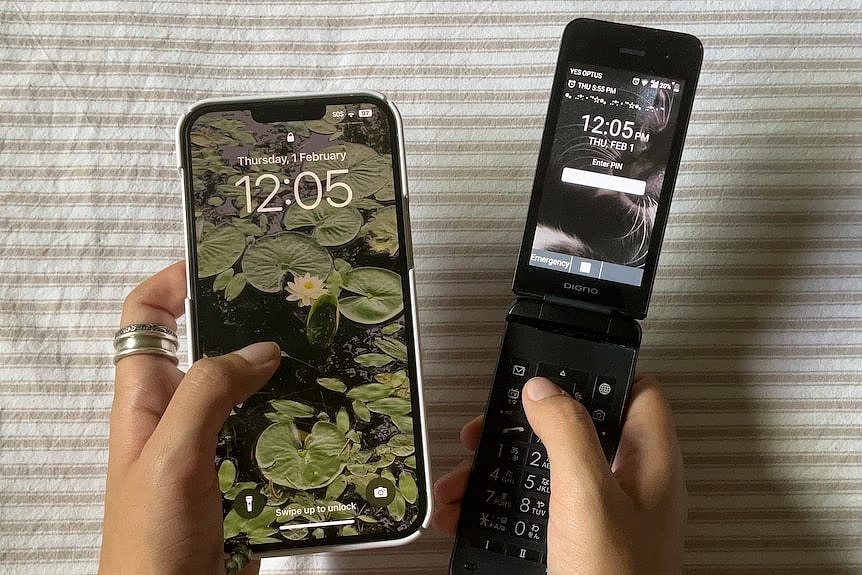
(755, 322)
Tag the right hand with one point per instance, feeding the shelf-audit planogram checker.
(624, 520)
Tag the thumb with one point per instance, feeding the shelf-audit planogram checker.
(566, 430)
(208, 392)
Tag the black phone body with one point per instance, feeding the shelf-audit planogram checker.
(611, 147)
(297, 230)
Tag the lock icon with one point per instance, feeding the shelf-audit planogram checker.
(290, 137)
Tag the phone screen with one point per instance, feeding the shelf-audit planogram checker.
(605, 173)
(298, 239)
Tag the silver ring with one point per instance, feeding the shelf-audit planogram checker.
(145, 338)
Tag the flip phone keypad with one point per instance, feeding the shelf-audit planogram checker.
(515, 501)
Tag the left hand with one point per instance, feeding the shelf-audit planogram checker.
(163, 510)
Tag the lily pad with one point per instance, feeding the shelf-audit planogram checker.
(367, 171)
(256, 528)
(222, 279)
(321, 127)
(391, 346)
(361, 412)
(401, 444)
(408, 488)
(248, 228)
(379, 296)
(397, 507)
(218, 249)
(226, 475)
(373, 360)
(392, 328)
(336, 488)
(313, 464)
(299, 128)
(330, 226)
(381, 233)
(390, 406)
(292, 409)
(342, 420)
(322, 321)
(235, 286)
(370, 392)
(404, 423)
(268, 260)
(237, 488)
(394, 380)
(332, 383)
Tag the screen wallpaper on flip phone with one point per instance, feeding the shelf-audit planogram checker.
(605, 173)
(297, 242)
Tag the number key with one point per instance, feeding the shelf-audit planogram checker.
(538, 457)
(533, 506)
(537, 483)
(511, 453)
(530, 530)
(498, 498)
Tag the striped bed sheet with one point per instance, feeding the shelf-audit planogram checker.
(754, 328)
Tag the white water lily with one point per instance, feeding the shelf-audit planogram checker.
(305, 289)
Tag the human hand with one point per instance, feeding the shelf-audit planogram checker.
(623, 520)
(163, 510)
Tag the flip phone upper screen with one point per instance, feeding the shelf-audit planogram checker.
(605, 173)
(297, 240)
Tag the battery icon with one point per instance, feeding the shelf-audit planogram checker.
(365, 112)
(675, 87)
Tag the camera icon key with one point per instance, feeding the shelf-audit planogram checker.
(380, 492)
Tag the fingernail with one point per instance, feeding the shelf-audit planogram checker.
(259, 353)
(539, 388)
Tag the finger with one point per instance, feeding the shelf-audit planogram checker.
(144, 383)
(445, 518)
(253, 568)
(205, 397)
(567, 431)
(648, 465)
(159, 299)
(471, 432)
(451, 487)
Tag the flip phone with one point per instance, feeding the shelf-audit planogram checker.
(611, 148)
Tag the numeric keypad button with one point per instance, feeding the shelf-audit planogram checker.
(533, 506)
(511, 453)
(503, 475)
(525, 529)
(493, 521)
(536, 483)
(499, 498)
(537, 456)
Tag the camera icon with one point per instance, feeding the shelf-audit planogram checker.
(381, 492)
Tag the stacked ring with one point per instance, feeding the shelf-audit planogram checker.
(145, 338)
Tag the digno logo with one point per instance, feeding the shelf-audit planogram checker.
(580, 288)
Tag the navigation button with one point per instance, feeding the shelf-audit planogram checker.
(603, 391)
(571, 380)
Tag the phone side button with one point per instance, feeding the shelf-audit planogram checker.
(523, 553)
(488, 544)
